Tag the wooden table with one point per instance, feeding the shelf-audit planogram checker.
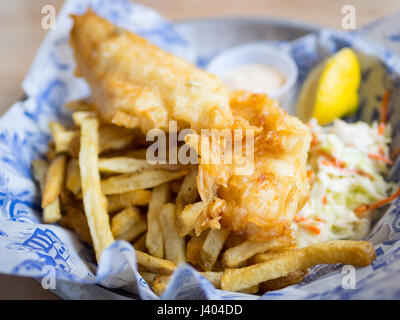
(21, 34)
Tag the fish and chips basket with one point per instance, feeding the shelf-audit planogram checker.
(28, 247)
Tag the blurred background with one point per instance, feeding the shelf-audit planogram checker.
(21, 31)
(21, 34)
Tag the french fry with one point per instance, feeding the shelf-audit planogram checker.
(160, 282)
(138, 153)
(39, 169)
(186, 218)
(51, 153)
(74, 146)
(233, 240)
(153, 264)
(174, 245)
(188, 192)
(129, 165)
(137, 181)
(122, 165)
(95, 203)
(110, 138)
(175, 185)
(357, 253)
(282, 282)
(52, 212)
(79, 116)
(210, 218)
(134, 198)
(115, 138)
(81, 105)
(54, 180)
(218, 266)
(212, 247)
(213, 277)
(62, 137)
(148, 277)
(236, 255)
(73, 180)
(75, 219)
(154, 239)
(140, 243)
(193, 248)
(269, 255)
(251, 290)
(127, 224)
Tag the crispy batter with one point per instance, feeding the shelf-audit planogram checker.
(135, 84)
(260, 205)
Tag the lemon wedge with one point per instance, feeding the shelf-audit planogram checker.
(330, 90)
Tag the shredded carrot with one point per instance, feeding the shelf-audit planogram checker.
(332, 159)
(314, 140)
(324, 200)
(346, 170)
(360, 210)
(313, 228)
(364, 207)
(381, 128)
(299, 218)
(358, 171)
(380, 157)
(385, 201)
(306, 223)
(384, 107)
(326, 162)
(311, 176)
(364, 174)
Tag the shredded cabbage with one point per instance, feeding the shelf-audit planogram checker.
(345, 176)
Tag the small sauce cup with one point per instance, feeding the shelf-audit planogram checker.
(274, 63)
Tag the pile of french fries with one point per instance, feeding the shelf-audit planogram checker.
(96, 181)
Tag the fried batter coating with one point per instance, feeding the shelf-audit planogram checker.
(260, 205)
(136, 84)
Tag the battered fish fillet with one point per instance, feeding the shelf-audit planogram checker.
(135, 84)
(261, 205)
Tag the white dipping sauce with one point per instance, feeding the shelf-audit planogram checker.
(259, 78)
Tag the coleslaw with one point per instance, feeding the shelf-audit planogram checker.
(346, 165)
